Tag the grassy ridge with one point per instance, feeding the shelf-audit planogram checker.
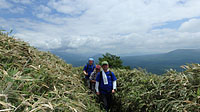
(31, 80)
(140, 91)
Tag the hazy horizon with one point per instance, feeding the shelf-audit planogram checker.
(127, 54)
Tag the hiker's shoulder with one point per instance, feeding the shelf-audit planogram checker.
(85, 66)
(98, 76)
(111, 72)
(99, 73)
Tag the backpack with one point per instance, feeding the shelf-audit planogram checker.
(88, 67)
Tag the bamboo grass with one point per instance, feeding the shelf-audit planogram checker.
(32, 80)
(171, 92)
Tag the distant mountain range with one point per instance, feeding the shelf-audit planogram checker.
(159, 63)
(156, 63)
(74, 59)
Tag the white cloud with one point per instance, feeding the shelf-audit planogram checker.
(115, 26)
(193, 25)
(116, 16)
(17, 10)
(43, 9)
(42, 12)
(11, 8)
(22, 1)
(71, 7)
(5, 5)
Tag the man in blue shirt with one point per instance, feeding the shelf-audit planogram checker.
(106, 85)
(88, 69)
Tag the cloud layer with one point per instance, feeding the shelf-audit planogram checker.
(96, 26)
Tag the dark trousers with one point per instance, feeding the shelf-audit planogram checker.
(106, 100)
(88, 83)
(93, 87)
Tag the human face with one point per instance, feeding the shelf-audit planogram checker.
(105, 67)
(98, 70)
(90, 62)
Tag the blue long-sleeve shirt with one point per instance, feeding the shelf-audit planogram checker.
(89, 70)
(105, 89)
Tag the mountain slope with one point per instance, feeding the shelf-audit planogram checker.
(74, 59)
(159, 63)
(31, 80)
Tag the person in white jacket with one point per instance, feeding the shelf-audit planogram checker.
(106, 85)
(93, 77)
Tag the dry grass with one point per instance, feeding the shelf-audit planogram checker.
(171, 92)
(31, 80)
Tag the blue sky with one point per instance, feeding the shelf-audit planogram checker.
(96, 26)
(174, 24)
